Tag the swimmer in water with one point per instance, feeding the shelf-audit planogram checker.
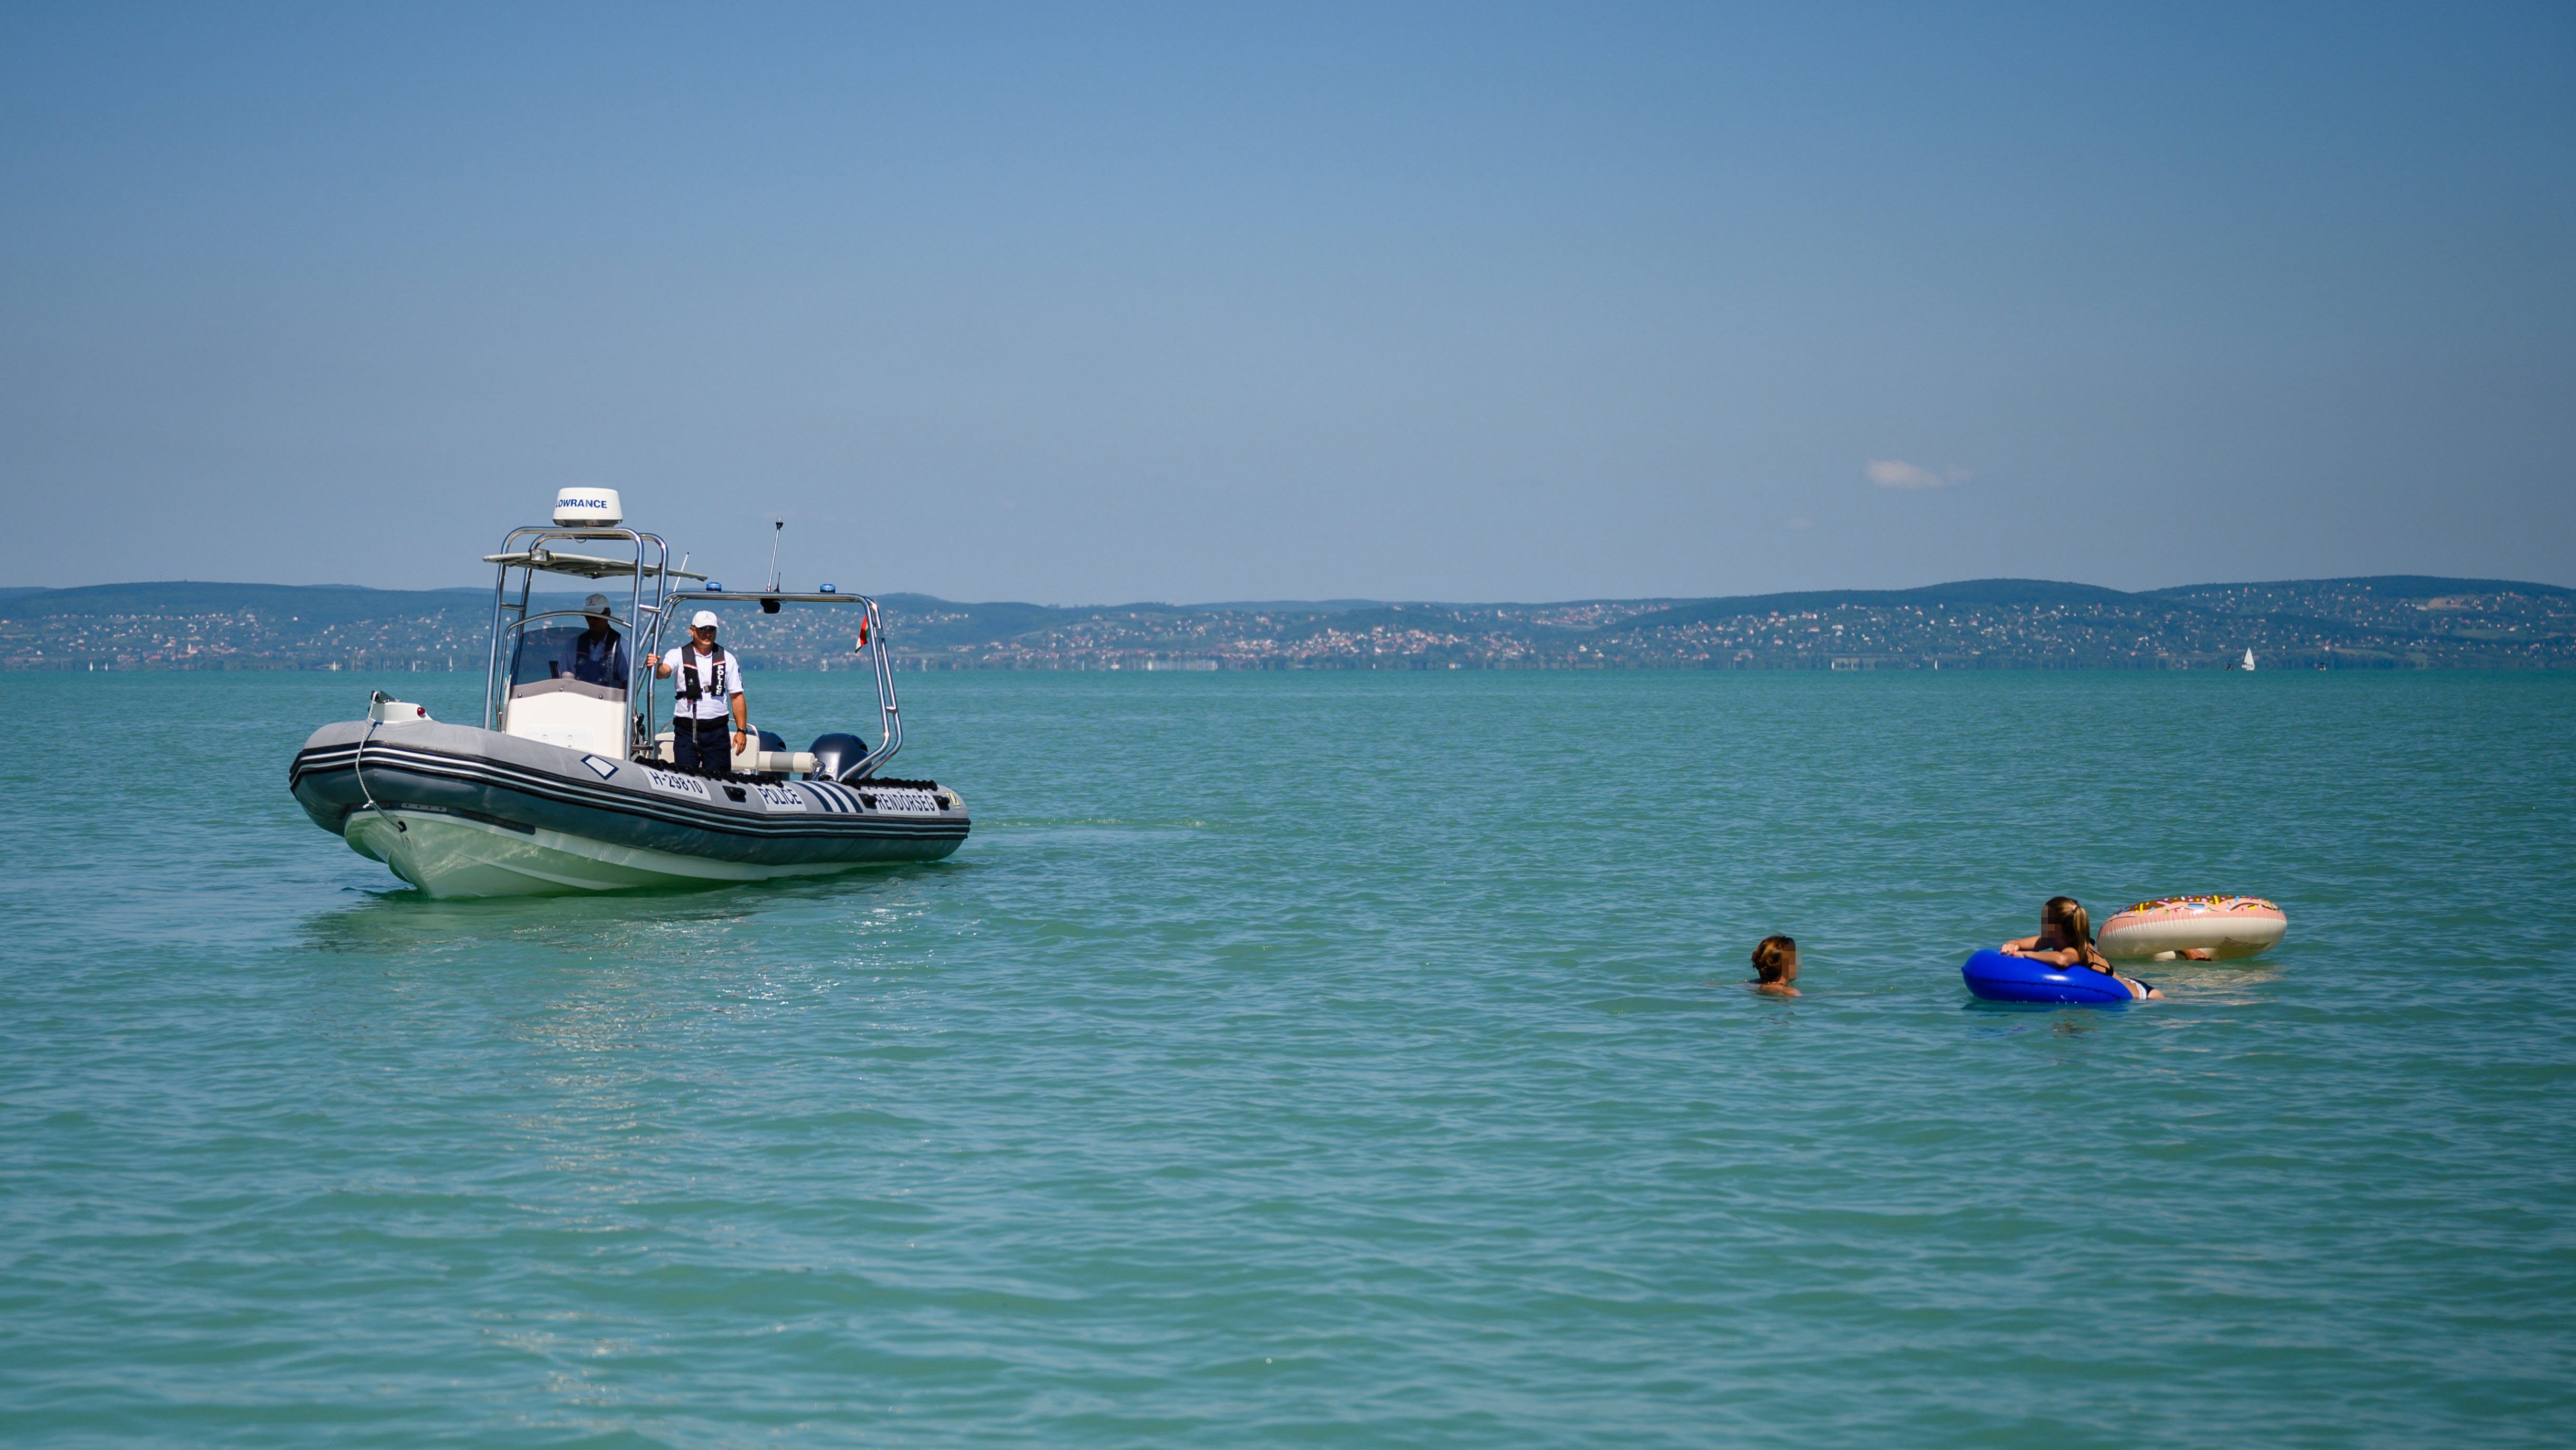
(1777, 960)
(2066, 940)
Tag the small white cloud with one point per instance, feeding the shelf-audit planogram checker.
(1897, 473)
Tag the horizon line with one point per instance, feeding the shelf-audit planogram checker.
(8, 592)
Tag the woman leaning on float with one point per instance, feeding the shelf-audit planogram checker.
(2066, 940)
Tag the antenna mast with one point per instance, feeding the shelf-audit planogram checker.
(777, 528)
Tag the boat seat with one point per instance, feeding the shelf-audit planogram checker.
(574, 714)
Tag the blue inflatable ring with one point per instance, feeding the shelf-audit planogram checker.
(1999, 978)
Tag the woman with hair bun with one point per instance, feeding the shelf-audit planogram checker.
(1776, 959)
(2066, 940)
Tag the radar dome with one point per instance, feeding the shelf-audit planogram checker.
(597, 508)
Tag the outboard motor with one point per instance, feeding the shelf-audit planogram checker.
(836, 753)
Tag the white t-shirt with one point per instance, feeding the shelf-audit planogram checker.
(719, 675)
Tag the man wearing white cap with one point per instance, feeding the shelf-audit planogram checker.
(710, 689)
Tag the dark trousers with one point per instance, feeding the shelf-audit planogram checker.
(704, 747)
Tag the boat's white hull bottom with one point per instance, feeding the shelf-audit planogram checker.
(447, 855)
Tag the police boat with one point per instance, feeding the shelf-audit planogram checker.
(568, 786)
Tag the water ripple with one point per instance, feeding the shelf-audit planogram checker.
(1309, 1058)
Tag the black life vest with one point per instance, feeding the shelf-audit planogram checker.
(689, 689)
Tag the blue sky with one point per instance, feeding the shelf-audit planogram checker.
(1224, 302)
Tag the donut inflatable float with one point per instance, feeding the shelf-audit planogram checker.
(1999, 978)
(2223, 926)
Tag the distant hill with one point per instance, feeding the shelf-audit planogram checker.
(1973, 591)
(2385, 586)
(2408, 621)
(2393, 621)
(321, 602)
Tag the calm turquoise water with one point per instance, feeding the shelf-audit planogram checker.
(1334, 1059)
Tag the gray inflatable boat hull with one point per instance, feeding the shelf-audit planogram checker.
(461, 811)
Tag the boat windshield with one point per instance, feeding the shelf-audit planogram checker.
(560, 653)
